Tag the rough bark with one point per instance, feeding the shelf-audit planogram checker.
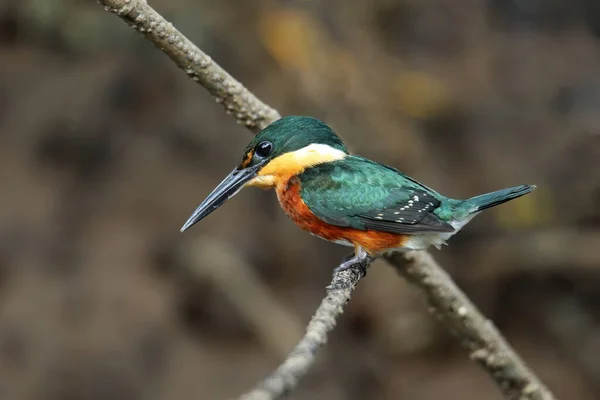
(285, 378)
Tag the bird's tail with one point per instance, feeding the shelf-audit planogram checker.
(483, 201)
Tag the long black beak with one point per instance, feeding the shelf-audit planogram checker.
(230, 186)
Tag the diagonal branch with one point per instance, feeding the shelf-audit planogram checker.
(285, 378)
(237, 100)
(484, 343)
(476, 334)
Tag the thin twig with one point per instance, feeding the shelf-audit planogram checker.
(476, 333)
(459, 315)
(285, 378)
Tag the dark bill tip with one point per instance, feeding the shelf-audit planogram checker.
(228, 188)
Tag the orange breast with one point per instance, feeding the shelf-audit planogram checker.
(374, 242)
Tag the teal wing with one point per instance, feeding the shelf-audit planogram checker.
(359, 193)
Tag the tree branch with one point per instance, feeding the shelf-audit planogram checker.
(476, 333)
(237, 100)
(484, 343)
(285, 378)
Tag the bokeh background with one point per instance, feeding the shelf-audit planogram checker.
(106, 148)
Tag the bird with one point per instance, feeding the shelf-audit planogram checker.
(345, 198)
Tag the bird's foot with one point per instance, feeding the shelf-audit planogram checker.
(360, 260)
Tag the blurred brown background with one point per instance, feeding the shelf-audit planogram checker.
(106, 148)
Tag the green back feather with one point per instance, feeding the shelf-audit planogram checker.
(362, 194)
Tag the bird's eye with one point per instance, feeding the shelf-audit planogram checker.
(263, 149)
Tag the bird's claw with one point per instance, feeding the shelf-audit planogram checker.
(354, 265)
(358, 261)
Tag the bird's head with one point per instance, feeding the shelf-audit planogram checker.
(283, 149)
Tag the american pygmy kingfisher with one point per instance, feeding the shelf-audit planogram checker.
(345, 198)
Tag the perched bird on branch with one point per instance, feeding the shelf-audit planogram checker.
(345, 198)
